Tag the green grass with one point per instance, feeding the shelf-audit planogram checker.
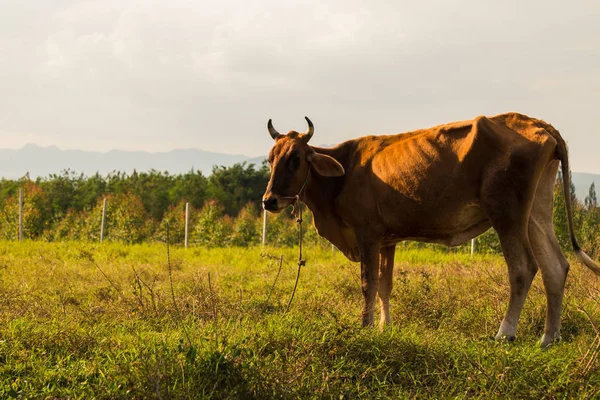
(89, 321)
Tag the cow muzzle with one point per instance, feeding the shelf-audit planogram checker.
(276, 204)
(270, 204)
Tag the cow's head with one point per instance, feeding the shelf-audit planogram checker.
(291, 159)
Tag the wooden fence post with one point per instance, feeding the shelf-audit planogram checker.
(187, 222)
(103, 226)
(20, 214)
(264, 231)
(472, 247)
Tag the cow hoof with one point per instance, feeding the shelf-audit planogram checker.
(384, 326)
(505, 338)
(549, 340)
(367, 321)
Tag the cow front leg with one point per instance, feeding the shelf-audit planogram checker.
(386, 269)
(369, 271)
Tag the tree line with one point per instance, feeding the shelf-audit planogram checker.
(233, 187)
(225, 209)
(148, 195)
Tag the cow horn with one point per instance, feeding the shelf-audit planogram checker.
(311, 129)
(274, 134)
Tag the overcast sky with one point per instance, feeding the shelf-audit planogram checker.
(158, 75)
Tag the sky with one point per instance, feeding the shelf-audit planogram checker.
(159, 75)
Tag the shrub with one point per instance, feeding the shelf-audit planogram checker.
(213, 228)
(126, 220)
(175, 218)
(72, 226)
(247, 227)
(33, 219)
(281, 230)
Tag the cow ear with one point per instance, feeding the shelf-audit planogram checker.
(326, 165)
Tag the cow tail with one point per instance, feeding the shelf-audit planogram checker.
(566, 180)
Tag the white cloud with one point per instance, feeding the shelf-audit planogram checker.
(56, 55)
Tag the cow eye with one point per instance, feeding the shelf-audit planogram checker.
(294, 162)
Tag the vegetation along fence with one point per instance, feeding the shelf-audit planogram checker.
(220, 210)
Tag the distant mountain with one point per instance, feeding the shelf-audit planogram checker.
(42, 161)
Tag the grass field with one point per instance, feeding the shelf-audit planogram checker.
(114, 321)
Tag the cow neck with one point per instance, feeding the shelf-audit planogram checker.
(314, 193)
(319, 193)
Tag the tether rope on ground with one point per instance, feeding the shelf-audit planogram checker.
(301, 263)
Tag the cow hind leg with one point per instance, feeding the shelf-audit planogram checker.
(522, 268)
(554, 267)
(511, 196)
(386, 269)
(552, 262)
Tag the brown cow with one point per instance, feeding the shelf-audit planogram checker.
(445, 184)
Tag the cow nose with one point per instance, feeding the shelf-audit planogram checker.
(270, 204)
